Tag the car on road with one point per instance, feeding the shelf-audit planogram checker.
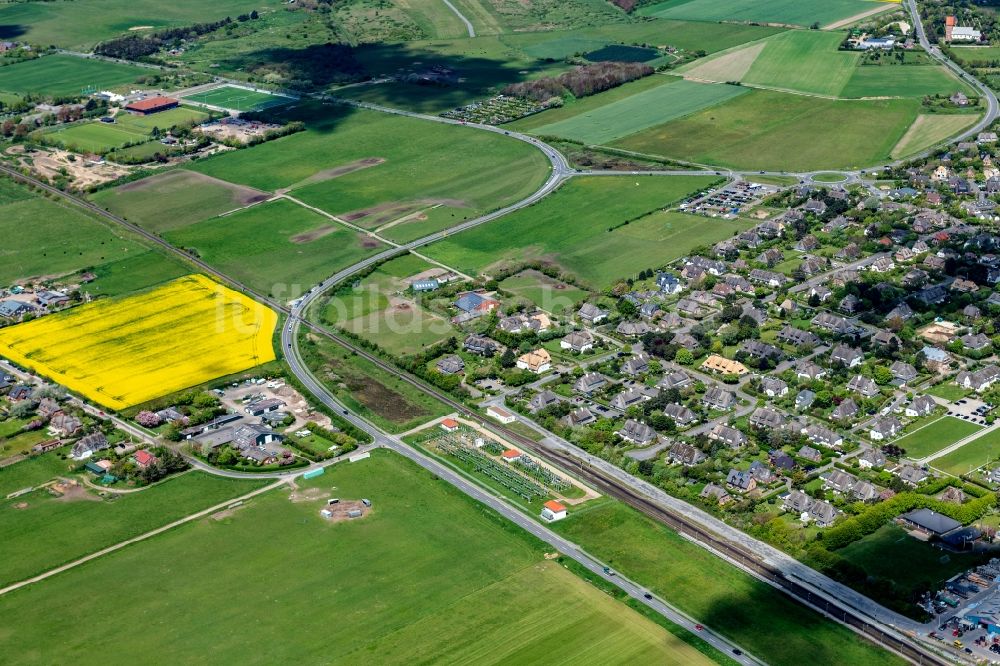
(698, 627)
(738, 652)
(647, 595)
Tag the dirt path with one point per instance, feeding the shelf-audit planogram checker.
(142, 537)
(857, 17)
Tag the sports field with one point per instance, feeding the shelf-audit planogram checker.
(50, 531)
(122, 352)
(573, 228)
(238, 99)
(427, 572)
(276, 247)
(175, 199)
(935, 436)
(929, 129)
(56, 75)
(674, 99)
(979, 452)
(794, 12)
(182, 116)
(780, 131)
(92, 137)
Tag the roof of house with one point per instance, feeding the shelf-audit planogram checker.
(449, 423)
(554, 506)
(151, 103)
(932, 521)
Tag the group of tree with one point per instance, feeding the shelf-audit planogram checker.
(580, 82)
(136, 46)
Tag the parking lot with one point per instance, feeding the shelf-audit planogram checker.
(972, 410)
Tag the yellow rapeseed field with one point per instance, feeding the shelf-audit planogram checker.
(125, 351)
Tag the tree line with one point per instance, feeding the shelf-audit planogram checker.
(581, 81)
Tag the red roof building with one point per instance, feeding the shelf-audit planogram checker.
(510, 455)
(553, 511)
(144, 458)
(152, 105)
(450, 425)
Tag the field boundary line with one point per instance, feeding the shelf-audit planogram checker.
(468, 24)
(336, 219)
(844, 22)
(142, 537)
(955, 446)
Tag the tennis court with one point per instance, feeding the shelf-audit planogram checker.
(238, 99)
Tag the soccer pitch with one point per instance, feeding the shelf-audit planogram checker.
(238, 99)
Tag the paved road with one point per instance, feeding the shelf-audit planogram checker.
(468, 24)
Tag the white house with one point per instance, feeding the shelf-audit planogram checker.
(500, 414)
(553, 511)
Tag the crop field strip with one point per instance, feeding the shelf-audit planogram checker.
(794, 12)
(122, 352)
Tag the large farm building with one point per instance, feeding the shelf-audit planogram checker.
(145, 107)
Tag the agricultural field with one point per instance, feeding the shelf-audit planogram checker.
(122, 352)
(902, 81)
(41, 531)
(59, 75)
(545, 292)
(378, 310)
(384, 399)
(579, 228)
(83, 24)
(977, 453)
(175, 199)
(793, 12)
(654, 106)
(935, 436)
(779, 131)
(879, 554)
(740, 607)
(142, 270)
(374, 167)
(475, 582)
(238, 99)
(929, 129)
(423, 222)
(279, 247)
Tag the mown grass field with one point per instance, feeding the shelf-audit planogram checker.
(425, 163)
(750, 612)
(674, 99)
(426, 221)
(384, 399)
(547, 293)
(122, 352)
(83, 24)
(183, 116)
(977, 453)
(929, 129)
(276, 247)
(935, 436)
(34, 471)
(51, 531)
(238, 99)
(571, 228)
(780, 131)
(57, 75)
(175, 199)
(881, 553)
(804, 60)
(91, 137)
(792, 12)
(427, 572)
(901, 81)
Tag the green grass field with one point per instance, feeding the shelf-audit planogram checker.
(57, 75)
(884, 553)
(51, 531)
(982, 451)
(91, 137)
(935, 436)
(547, 293)
(457, 596)
(175, 199)
(805, 61)
(181, 116)
(929, 129)
(674, 99)
(428, 220)
(746, 610)
(775, 131)
(571, 228)
(901, 81)
(425, 163)
(83, 24)
(948, 391)
(138, 271)
(33, 472)
(792, 12)
(238, 99)
(276, 246)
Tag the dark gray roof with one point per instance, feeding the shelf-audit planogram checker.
(932, 521)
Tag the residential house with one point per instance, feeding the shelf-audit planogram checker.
(145, 459)
(866, 386)
(797, 502)
(65, 424)
(911, 474)
(729, 436)
(839, 481)
(864, 491)
(680, 414)
(820, 292)
(810, 454)
(903, 372)
(590, 382)
(743, 482)
(846, 410)
(592, 314)
(722, 365)
(975, 342)
(804, 399)
(871, 459)
(578, 341)
(758, 349)
(936, 360)
(781, 460)
(537, 361)
(580, 417)
(480, 345)
(451, 364)
(636, 365)
(921, 405)
(773, 387)
(767, 418)
(979, 380)
(901, 312)
(676, 380)
(885, 428)
(633, 329)
(637, 433)
(542, 400)
(717, 493)
(832, 323)
(823, 436)
(823, 514)
(89, 445)
(685, 454)
(847, 356)
(762, 472)
(668, 283)
(769, 278)
(809, 371)
(718, 398)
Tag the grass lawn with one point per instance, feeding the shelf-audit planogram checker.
(929, 129)
(731, 602)
(949, 391)
(935, 436)
(425, 163)
(175, 199)
(92, 137)
(804, 61)
(547, 293)
(429, 220)
(181, 116)
(52, 531)
(892, 554)
(792, 12)
(977, 453)
(828, 177)
(571, 228)
(386, 400)
(442, 576)
(134, 273)
(59, 75)
(674, 99)
(276, 247)
(238, 99)
(34, 471)
(83, 24)
(17, 444)
(901, 81)
(773, 130)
